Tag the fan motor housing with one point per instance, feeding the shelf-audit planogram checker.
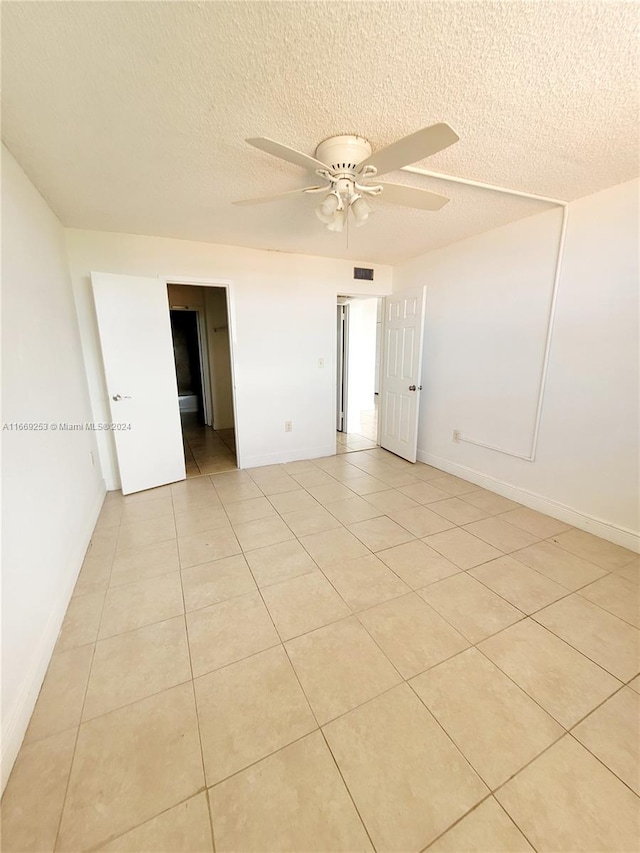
(343, 153)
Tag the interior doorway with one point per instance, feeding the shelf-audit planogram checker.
(200, 332)
(189, 367)
(359, 335)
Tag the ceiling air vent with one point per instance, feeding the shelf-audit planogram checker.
(363, 273)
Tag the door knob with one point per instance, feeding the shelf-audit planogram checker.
(412, 387)
(118, 397)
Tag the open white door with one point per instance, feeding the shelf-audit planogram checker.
(401, 373)
(137, 349)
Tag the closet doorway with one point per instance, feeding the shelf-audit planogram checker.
(359, 325)
(200, 334)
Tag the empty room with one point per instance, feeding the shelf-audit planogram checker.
(320, 426)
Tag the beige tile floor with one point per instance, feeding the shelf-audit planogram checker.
(363, 439)
(207, 451)
(345, 654)
(349, 442)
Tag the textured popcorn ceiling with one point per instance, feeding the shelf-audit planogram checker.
(131, 116)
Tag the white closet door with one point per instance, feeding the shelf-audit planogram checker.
(137, 350)
(402, 370)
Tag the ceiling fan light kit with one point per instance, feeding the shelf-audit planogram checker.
(331, 203)
(347, 165)
(360, 209)
(338, 221)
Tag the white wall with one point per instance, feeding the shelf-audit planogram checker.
(487, 301)
(51, 492)
(361, 360)
(283, 319)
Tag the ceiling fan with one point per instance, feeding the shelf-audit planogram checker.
(347, 166)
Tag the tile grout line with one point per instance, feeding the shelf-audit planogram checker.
(519, 687)
(355, 613)
(275, 628)
(195, 700)
(607, 573)
(262, 757)
(565, 733)
(347, 789)
(320, 727)
(597, 757)
(489, 796)
(535, 701)
(524, 834)
(445, 732)
(416, 591)
(568, 592)
(100, 844)
(447, 735)
(310, 706)
(84, 699)
(580, 651)
(456, 822)
(404, 680)
(578, 592)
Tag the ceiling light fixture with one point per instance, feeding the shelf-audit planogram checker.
(338, 221)
(347, 165)
(334, 208)
(329, 207)
(360, 209)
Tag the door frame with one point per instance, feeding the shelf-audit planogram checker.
(205, 372)
(342, 372)
(380, 362)
(166, 280)
(381, 296)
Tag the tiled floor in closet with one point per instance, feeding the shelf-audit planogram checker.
(343, 654)
(207, 451)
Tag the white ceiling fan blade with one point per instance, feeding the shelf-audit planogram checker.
(423, 143)
(277, 149)
(264, 198)
(412, 197)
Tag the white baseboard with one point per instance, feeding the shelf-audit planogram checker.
(288, 456)
(604, 529)
(17, 721)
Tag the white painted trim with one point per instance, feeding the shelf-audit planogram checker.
(381, 297)
(286, 456)
(345, 367)
(551, 316)
(416, 170)
(205, 282)
(531, 456)
(604, 529)
(17, 719)
(205, 373)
